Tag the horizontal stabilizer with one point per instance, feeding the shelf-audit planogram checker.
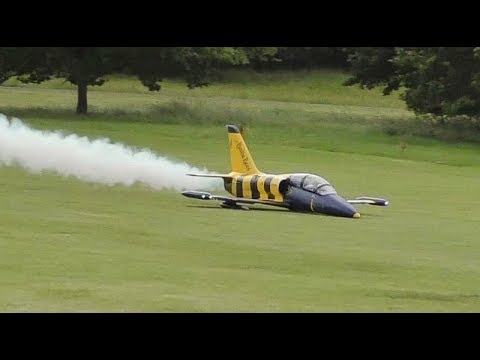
(212, 175)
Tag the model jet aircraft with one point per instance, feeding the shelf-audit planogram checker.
(297, 192)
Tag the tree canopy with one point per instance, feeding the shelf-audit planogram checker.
(88, 66)
(435, 80)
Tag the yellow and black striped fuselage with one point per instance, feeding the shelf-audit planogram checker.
(248, 185)
(257, 186)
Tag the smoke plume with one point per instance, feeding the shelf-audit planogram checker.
(93, 160)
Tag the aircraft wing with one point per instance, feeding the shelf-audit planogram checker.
(369, 200)
(212, 175)
(203, 195)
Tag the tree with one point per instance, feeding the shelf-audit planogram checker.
(81, 66)
(439, 81)
(88, 66)
(293, 58)
(372, 67)
(196, 65)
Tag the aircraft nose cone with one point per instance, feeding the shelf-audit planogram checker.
(335, 205)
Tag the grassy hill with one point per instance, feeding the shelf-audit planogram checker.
(68, 245)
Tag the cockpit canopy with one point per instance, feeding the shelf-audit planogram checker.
(312, 183)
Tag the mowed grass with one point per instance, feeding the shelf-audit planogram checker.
(70, 246)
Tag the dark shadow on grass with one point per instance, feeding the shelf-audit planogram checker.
(250, 208)
(275, 210)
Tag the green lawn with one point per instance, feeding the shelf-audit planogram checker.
(70, 246)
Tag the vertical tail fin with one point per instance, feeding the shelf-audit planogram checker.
(240, 158)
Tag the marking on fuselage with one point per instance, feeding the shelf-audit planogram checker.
(234, 186)
(254, 187)
(261, 187)
(239, 186)
(268, 181)
(227, 184)
(247, 189)
(275, 188)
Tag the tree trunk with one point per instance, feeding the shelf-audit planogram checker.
(82, 98)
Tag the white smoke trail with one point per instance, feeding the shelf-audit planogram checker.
(96, 160)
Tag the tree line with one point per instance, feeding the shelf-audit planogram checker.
(88, 66)
(443, 81)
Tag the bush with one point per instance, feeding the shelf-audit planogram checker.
(450, 128)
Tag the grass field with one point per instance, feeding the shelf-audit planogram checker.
(70, 246)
